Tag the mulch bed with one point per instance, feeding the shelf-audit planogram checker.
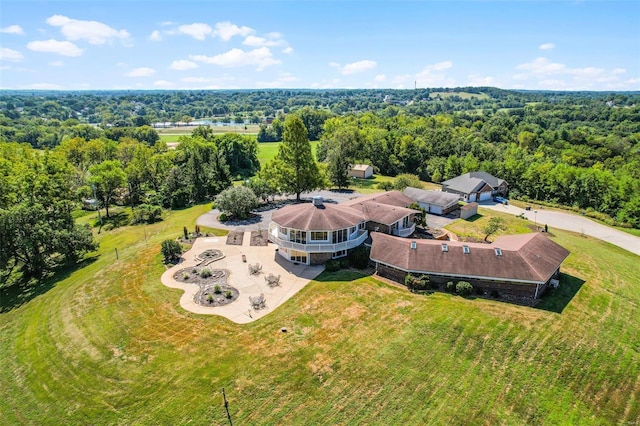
(234, 238)
(206, 295)
(259, 238)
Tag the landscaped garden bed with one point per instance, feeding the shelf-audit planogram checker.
(214, 289)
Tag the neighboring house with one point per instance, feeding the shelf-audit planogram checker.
(521, 265)
(434, 202)
(476, 186)
(362, 171)
(468, 210)
(312, 233)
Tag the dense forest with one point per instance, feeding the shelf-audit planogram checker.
(57, 149)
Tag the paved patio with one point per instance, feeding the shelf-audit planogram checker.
(292, 278)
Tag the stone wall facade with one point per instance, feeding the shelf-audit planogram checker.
(319, 258)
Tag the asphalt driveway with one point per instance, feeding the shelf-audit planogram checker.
(571, 222)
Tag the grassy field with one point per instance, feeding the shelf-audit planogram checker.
(268, 150)
(473, 228)
(172, 134)
(108, 344)
(463, 95)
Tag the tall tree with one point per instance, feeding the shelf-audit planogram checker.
(297, 169)
(107, 177)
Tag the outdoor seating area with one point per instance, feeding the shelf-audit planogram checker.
(272, 280)
(257, 302)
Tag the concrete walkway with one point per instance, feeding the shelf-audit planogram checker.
(572, 222)
(292, 278)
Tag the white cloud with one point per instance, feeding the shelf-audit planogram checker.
(162, 83)
(542, 66)
(93, 31)
(12, 29)
(283, 80)
(255, 41)
(141, 72)
(122, 65)
(433, 75)
(618, 71)
(198, 31)
(195, 80)
(226, 30)
(10, 55)
(287, 50)
(546, 46)
(354, 67)
(56, 63)
(155, 36)
(261, 57)
(64, 48)
(43, 86)
(326, 84)
(183, 65)
(380, 78)
(478, 80)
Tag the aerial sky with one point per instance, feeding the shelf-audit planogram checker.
(556, 45)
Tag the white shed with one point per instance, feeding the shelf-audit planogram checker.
(362, 171)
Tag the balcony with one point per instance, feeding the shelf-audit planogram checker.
(316, 247)
(405, 232)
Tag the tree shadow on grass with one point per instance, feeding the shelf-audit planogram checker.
(16, 295)
(556, 299)
(475, 217)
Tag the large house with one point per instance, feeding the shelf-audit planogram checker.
(434, 202)
(522, 265)
(312, 233)
(476, 186)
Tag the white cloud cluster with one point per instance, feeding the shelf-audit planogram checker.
(283, 80)
(12, 29)
(10, 55)
(64, 48)
(141, 72)
(261, 57)
(226, 30)
(183, 65)
(546, 46)
(92, 31)
(198, 31)
(555, 75)
(355, 67)
(155, 36)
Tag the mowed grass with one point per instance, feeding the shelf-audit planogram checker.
(473, 228)
(268, 150)
(109, 344)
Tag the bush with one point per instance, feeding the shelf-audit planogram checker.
(450, 287)
(185, 232)
(238, 201)
(205, 273)
(464, 288)
(407, 180)
(217, 289)
(495, 294)
(333, 265)
(385, 186)
(414, 283)
(171, 250)
(223, 217)
(185, 276)
(359, 257)
(146, 213)
(228, 294)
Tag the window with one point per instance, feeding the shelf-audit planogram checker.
(298, 256)
(498, 251)
(340, 236)
(298, 236)
(352, 230)
(361, 226)
(284, 231)
(445, 248)
(341, 253)
(319, 235)
(465, 249)
(413, 245)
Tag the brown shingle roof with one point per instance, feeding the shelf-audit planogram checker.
(383, 213)
(308, 217)
(528, 257)
(392, 198)
(437, 198)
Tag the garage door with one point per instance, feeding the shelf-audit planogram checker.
(472, 197)
(485, 196)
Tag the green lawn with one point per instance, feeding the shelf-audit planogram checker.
(108, 344)
(473, 227)
(268, 150)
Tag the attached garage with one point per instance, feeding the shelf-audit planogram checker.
(434, 202)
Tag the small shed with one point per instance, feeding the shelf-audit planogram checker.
(468, 210)
(362, 171)
(89, 204)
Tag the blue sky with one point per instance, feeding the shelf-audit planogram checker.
(560, 45)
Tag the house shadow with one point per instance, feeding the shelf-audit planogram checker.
(18, 294)
(556, 299)
(475, 217)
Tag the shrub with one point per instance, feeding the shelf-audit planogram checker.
(464, 288)
(146, 213)
(228, 294)
(450, 287)
(333, 265)
(385, 186)
(495, 294)
(171, 250)
(405, 180)
(185, 232)
(217, 289)
(205, 273)
(237, 201)
(185, 276)
(210, 298)
(414, 283)
(223, 217)
(359, 257)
